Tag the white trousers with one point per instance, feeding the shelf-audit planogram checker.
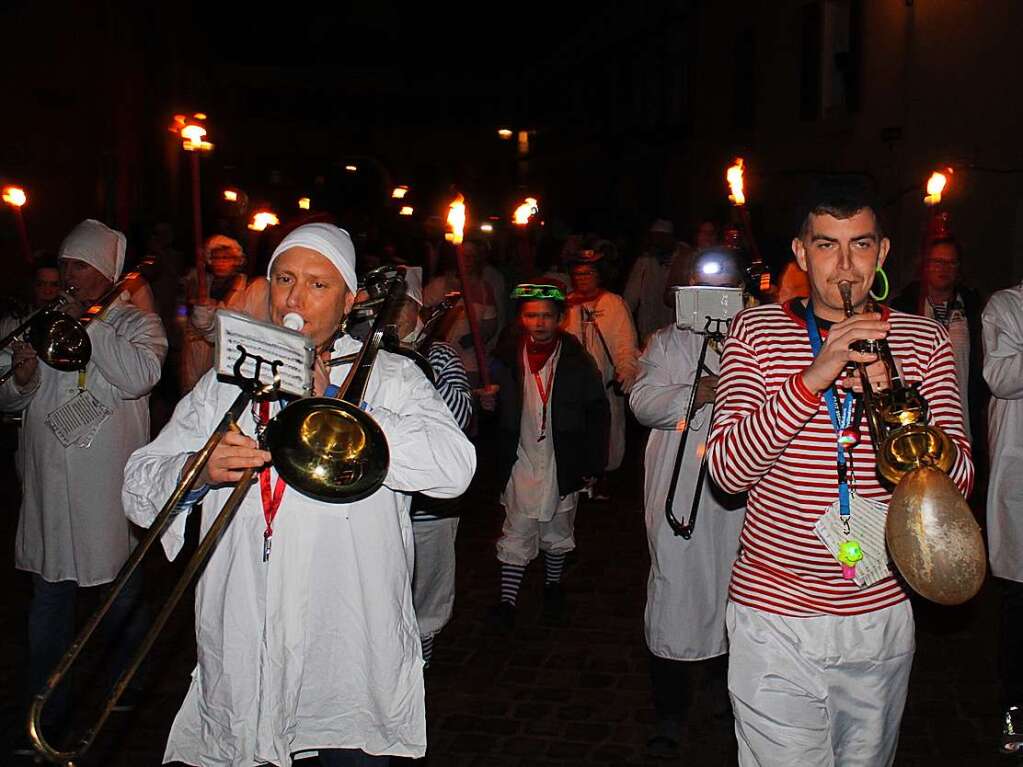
(433, 581)
(826, 691)
(522, 537)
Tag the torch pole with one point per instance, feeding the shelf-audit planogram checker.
(470, 313)
(200, 260)
(26, 249)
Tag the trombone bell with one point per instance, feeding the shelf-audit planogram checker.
(328, 449)
(934, 539)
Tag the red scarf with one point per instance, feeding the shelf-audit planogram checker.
(538, 352)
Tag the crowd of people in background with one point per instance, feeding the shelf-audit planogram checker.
(581, 353)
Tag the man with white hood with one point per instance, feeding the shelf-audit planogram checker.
(72, 531)
(315, 647)
(687, 589)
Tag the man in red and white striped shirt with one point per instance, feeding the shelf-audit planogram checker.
(819, 666)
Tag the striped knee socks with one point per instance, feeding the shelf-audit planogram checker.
(511, 579)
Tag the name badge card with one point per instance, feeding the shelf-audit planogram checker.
(866, 527)
(76, 422)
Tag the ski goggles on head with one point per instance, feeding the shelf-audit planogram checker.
(528, 291)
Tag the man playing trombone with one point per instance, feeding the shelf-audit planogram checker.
(310, 645)
(71, 530)
(688, 583)
(821, 640)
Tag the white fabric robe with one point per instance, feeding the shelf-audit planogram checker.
(644, 294)
(1003, 371)
(318, 647)
(611, 314)
(687, 589)
(71, 526)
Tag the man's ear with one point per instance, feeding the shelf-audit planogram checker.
(883, 250)
(799, 251)
(349, 302)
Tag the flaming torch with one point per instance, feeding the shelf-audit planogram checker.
(193, 140)
(733, 176)
(524, 218)
(737, 196)
(15, 198)
(935, 186)
(456, 221)
(936, 227)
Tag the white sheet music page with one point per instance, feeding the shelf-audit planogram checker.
(273, 343)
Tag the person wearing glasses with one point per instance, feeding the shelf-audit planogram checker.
(552, 422)
(942, 296)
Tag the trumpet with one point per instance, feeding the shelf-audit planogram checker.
(251, 388)
(932, 536)
(62, 342)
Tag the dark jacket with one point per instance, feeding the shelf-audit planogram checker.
(977, 391)
(580, 415)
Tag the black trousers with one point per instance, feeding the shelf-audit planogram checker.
(674, 683)
(1010, 646)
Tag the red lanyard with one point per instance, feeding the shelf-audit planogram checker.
(545, 395)
(270, 503)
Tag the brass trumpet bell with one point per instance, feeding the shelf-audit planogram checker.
(911, 447)
(328, 449)
(60, 341)
(934, 539)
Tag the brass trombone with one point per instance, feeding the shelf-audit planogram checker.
(931, 533)
(250, 389)
(62, 342)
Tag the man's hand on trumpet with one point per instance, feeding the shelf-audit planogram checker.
(835, 355)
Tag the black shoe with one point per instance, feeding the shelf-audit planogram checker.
(553, 601)
(1012, 731)
(502, 616)
(665, 741)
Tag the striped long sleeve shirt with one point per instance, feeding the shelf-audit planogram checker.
(773, 437)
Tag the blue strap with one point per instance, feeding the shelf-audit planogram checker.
(331, 391)
(839, 424)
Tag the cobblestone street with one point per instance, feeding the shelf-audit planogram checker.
(569, 694)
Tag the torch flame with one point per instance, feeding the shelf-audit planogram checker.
(262, 219)
(936, 185)
(14, 196)
(456, 220)
(525, 211)
(734, 178)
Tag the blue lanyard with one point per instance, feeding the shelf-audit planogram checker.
(840, 424)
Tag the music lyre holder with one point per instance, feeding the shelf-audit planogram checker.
(714, 331)
(251, 388)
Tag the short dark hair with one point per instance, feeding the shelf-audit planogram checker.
(839, 196)
(946, 240)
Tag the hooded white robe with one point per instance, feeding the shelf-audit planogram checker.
(1003, 371)
(318, 647)
(71, 526)
(687, 589)
(611, 314)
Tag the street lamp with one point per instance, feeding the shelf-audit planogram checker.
(231, 195)
(399, 192)
(406, 210)
(304, 203)
(505, 133)
(15, 198)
